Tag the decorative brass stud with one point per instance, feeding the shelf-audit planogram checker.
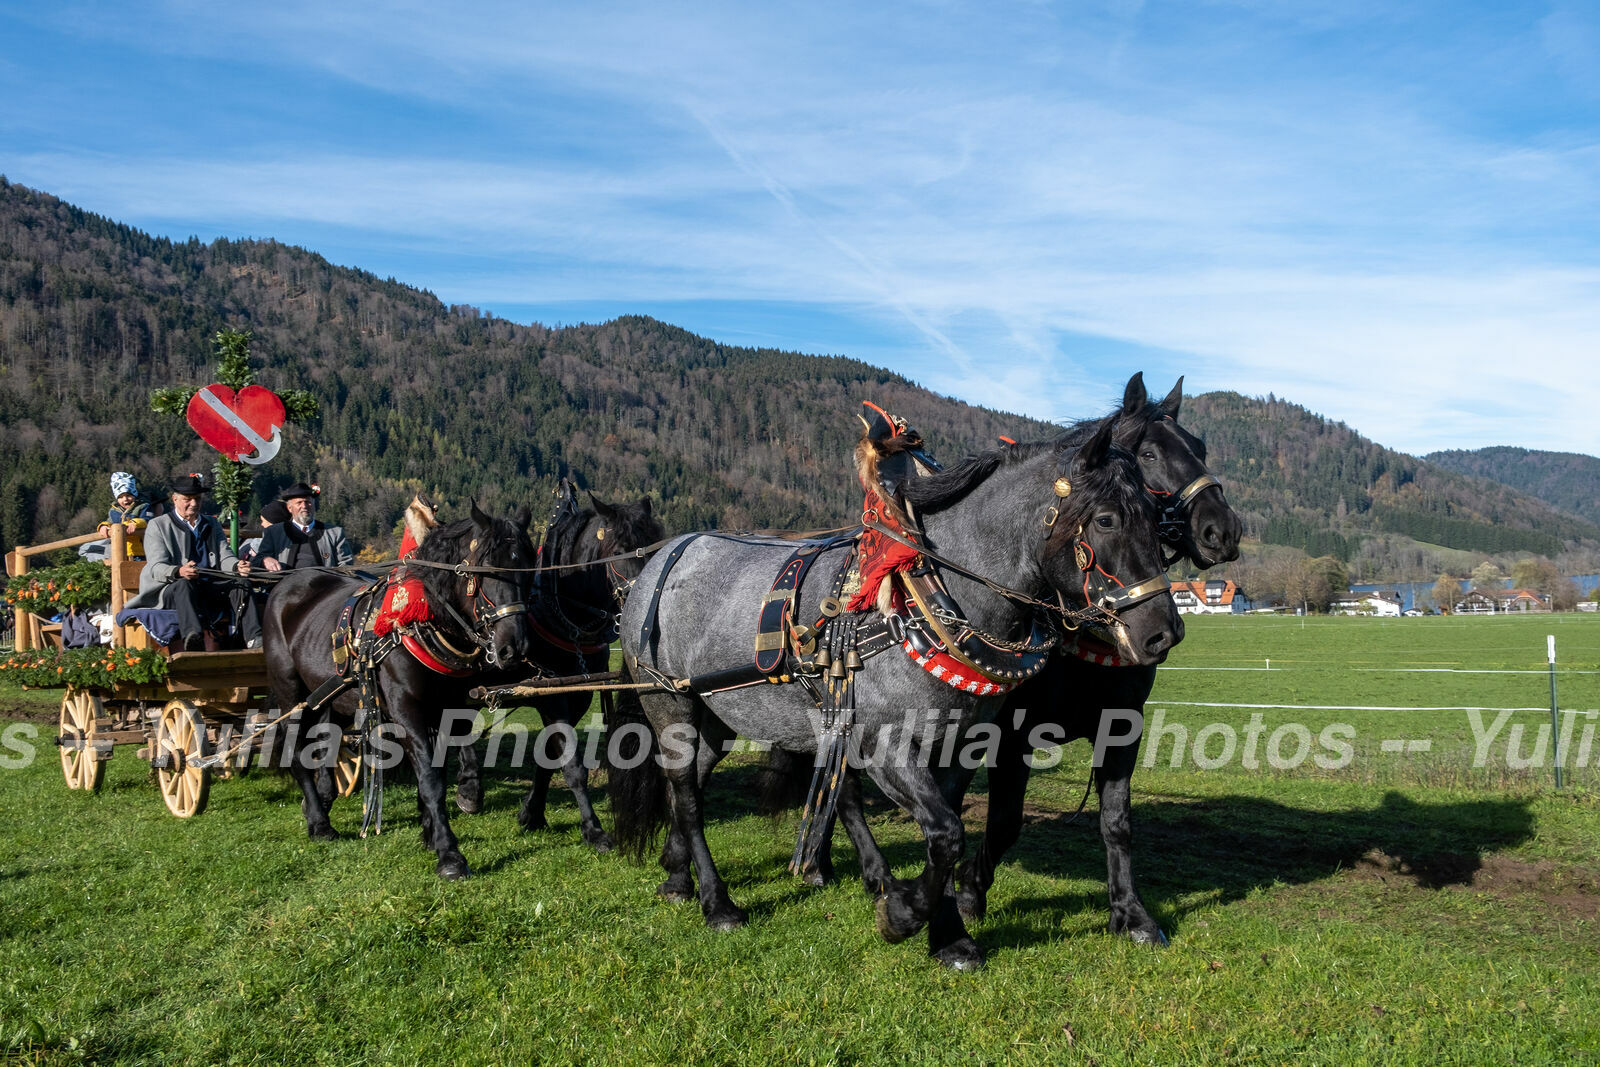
(1063, 488)
(1081, 556)
(600, 534)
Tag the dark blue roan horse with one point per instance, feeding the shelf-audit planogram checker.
(1084, 680)
(1024, 519)
(479, 625)
(572, 620)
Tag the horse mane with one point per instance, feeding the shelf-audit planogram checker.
(1117, 480)
(451, 543)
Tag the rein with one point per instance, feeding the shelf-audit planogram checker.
(1174, 521)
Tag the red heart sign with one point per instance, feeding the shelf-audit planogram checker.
(238, 424)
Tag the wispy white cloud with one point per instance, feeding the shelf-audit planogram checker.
(1006, 185)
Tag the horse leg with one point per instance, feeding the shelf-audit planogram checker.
(469, 779)
(531, 815)
(1113, 779)
(436, 832)
(670, 716)
(1008, 785)
(906, 905)
(817, 863)
(576, 775)
(679, 886)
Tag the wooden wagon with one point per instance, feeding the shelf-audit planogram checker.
(208, 717)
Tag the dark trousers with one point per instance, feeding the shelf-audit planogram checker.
(202, 605)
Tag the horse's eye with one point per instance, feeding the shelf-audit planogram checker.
(1105, 522)
(1147, 456)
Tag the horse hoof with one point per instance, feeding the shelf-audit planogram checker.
(603, 844)
(733, 919)
(974, 907)
(816, 877)
(886, 925)
(453, 870)
(674, 894)
(322, 833)
(532, 823)
(964, 955)
(1152, 936)
(468, 805)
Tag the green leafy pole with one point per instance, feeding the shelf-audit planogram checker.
(230, 481)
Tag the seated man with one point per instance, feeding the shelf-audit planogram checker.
(178, 545)
(271, 515)
(303, 541)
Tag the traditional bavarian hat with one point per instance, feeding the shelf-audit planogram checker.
(190, 484)
(299, 489)
(275, 512)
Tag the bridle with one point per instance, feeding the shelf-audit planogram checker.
(485, 612)
(1101, 588)
(1173, 526)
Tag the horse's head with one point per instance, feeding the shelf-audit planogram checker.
(618, 529)
(1196, 518)
(1103, 549)
(494, 599)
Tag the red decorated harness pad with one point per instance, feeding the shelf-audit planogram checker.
(954, 673)
(404, 604)
(1093, 650)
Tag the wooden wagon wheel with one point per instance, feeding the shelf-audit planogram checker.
(80, 764)
(180, 740)
(347, 768)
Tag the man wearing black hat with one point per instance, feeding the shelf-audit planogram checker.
(178, 546)
(303, 541)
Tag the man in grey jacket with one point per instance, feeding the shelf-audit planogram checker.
(303, 541)
(177, 547)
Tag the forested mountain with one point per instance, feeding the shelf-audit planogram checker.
(1301, 480)
(95, 315)
(1568, 480)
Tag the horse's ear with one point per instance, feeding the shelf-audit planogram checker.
(602, 509)
(479, 519)
(523, 517)
(644, 507)
(1169, 406)
(1095, 452)
(1134, 397)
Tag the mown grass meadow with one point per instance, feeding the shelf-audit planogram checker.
(1404, 908)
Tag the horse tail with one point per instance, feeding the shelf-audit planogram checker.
(784, 780)
(637, 788)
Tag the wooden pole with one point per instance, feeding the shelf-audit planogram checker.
(23, 621)
(119, 556)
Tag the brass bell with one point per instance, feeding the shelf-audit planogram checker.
(837, 670)
(853, 661)
(823, 659)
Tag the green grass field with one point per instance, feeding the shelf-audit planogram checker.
(1404, 908)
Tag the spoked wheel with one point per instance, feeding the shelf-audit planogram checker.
(347, 769)
(180, 741)
(81, 765)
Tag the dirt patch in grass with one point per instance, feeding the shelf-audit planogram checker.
(1563, 892)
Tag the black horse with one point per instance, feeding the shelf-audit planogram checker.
(572, 618)
(480, 625)
(1033, 519)
(1082, 682)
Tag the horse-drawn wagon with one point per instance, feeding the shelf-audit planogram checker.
(204, 714)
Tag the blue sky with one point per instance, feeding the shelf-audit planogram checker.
(1388, 213)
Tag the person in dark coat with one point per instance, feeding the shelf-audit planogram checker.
(303, 541)
(178, 546)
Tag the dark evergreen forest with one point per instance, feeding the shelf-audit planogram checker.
(415, 394)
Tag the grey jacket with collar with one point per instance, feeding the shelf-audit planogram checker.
(166, 548)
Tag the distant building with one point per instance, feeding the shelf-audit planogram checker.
(1500, 602)
(1387, 604)
(1214, 596)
